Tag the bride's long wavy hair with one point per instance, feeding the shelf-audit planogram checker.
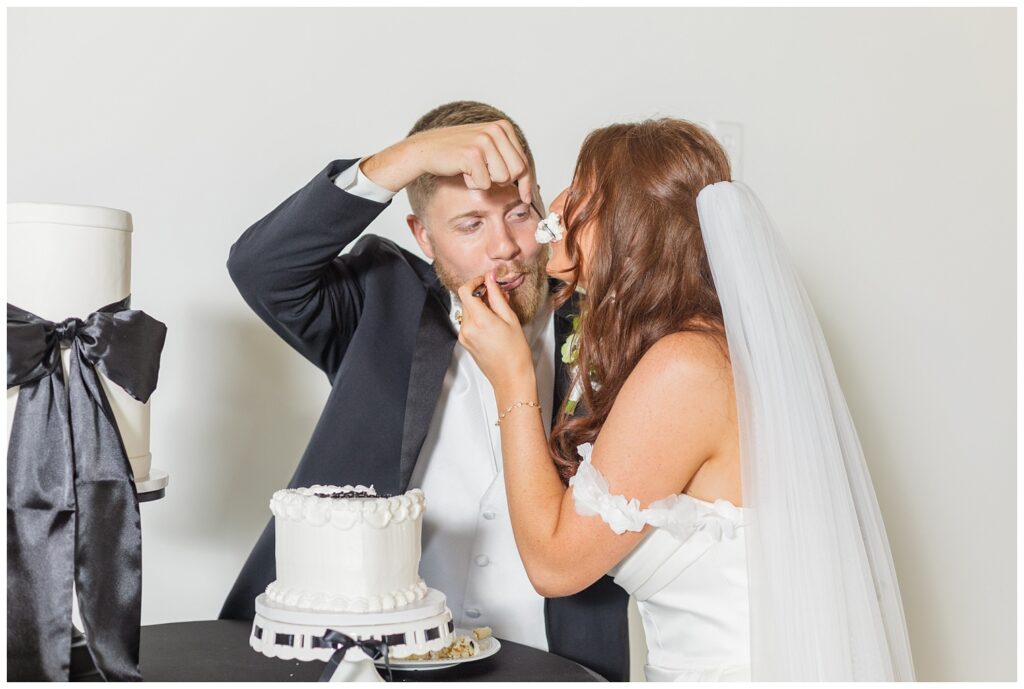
(648, 274)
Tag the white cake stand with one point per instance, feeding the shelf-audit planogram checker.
(152, 486)
(292, 634)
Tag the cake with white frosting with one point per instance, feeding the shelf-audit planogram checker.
(68, 261)
(348, 564)
(346, 549)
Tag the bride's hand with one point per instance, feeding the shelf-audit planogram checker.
(492, 334)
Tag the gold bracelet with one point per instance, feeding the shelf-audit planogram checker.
(515, 406)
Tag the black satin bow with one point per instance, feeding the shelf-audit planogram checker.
(72, 509)
(342, 642)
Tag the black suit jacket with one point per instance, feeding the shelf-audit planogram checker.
(375, 320)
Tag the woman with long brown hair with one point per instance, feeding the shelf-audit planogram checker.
(705, 456)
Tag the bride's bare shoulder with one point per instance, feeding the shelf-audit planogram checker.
(683, 375)
(689, 358)
(669, 417)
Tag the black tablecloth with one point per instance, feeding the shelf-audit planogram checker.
(219, 651)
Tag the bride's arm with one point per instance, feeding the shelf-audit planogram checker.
(668, 419)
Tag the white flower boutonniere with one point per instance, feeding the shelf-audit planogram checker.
(571, 346)
(570, 357)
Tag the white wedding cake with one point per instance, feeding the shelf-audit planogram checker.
(68, 261)
(346, 549)
(348, 561)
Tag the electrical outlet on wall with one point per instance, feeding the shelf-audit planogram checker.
(730, 135)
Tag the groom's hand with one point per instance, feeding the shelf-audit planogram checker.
(484, 154)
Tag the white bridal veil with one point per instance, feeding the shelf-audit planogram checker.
(824, 601)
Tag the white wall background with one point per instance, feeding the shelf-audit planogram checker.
(883, 142)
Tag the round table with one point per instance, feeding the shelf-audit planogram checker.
(219, 650)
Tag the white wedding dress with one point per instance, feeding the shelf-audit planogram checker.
(689, 578)
(800, 584)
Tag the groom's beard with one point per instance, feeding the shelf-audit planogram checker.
(525, 300)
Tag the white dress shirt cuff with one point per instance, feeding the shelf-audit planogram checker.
(355, 182)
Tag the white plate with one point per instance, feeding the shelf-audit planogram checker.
(487, 648)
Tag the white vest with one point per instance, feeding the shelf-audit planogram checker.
(469, 552)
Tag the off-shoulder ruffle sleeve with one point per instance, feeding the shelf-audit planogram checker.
(679, 513)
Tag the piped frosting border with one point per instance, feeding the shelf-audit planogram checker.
(303, 505)
(336, 602)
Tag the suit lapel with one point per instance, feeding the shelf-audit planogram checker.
(435, 341)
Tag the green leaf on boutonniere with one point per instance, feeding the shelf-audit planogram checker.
(571, 346)
(570, 357)
(570, 349)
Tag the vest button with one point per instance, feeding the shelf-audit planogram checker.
(481, 560)
(488, 514)
(472, 613)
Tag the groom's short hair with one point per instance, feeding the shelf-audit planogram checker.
(451, 115)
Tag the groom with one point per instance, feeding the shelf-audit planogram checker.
(408, 406)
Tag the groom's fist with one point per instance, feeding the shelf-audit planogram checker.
(483, 154)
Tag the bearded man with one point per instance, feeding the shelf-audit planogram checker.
(408, 407)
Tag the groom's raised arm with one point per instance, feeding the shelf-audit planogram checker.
(287, 265)
(288, 269)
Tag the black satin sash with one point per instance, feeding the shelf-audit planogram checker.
(72, 509)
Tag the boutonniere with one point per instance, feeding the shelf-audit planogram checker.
(571, 357)
(571, 346)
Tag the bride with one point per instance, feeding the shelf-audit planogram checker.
(705, 456)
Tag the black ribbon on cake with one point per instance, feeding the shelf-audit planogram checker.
(342, 642)
(72, 508)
